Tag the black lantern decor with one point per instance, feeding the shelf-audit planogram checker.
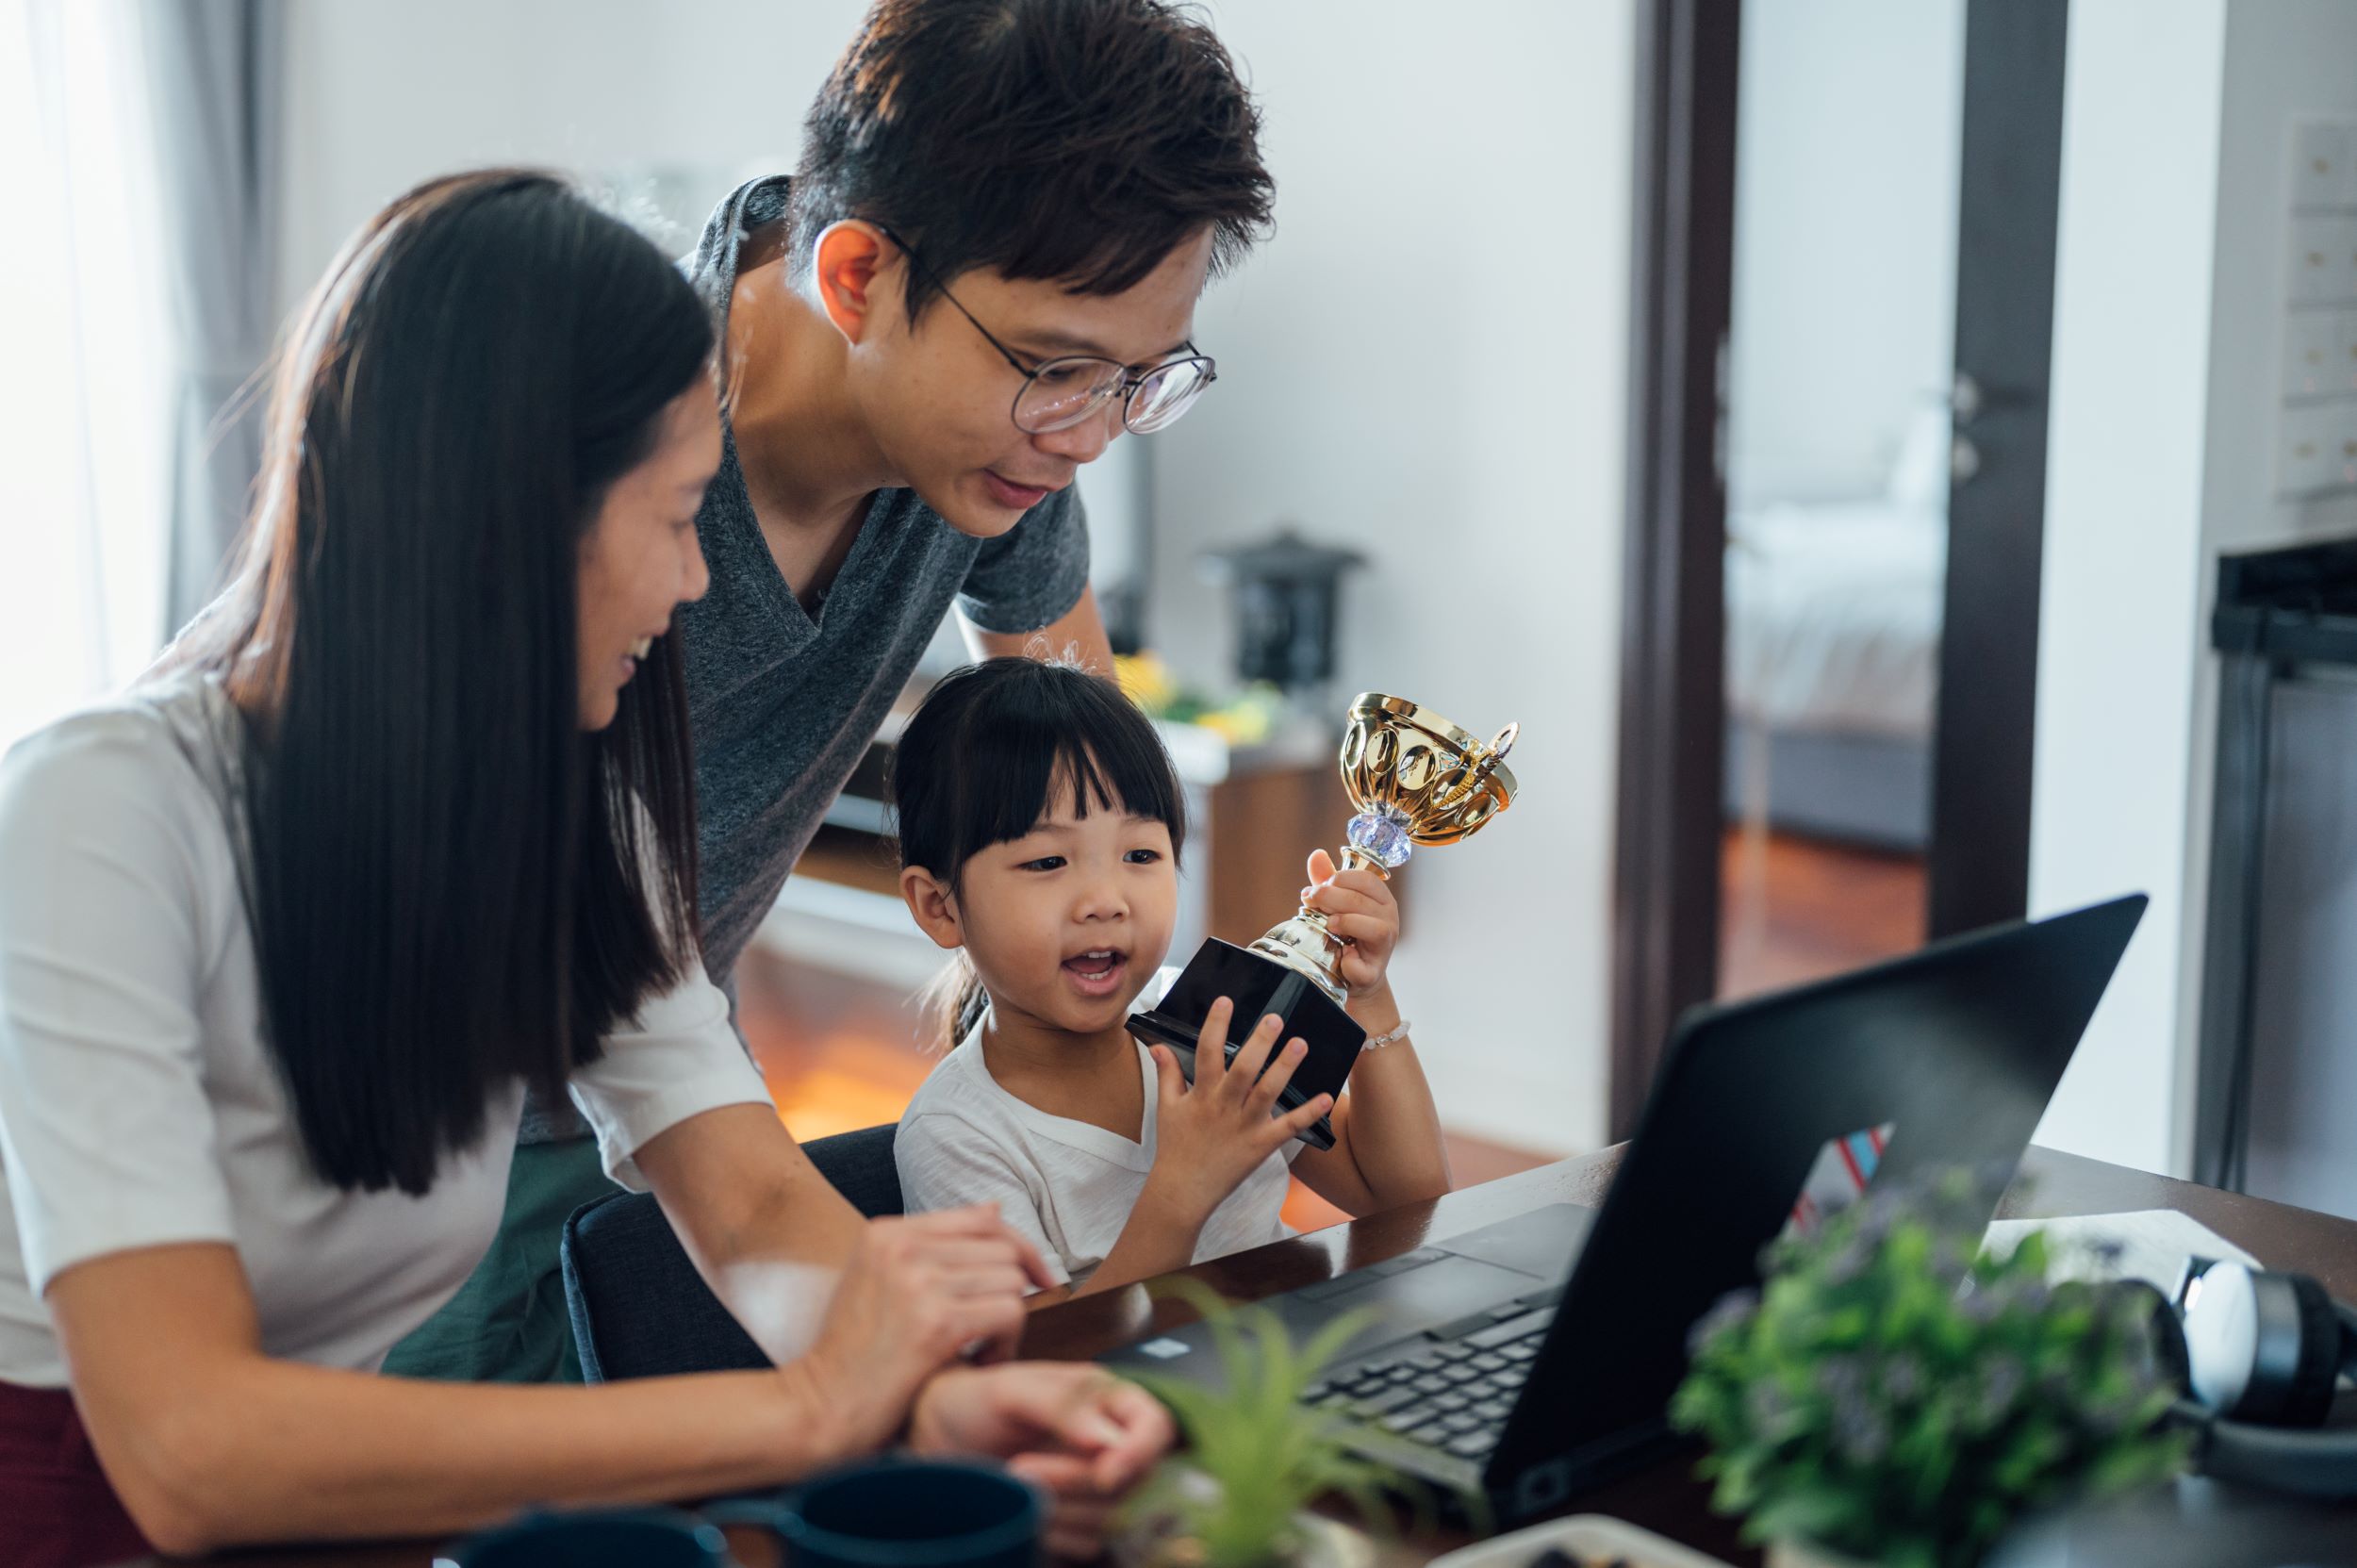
(1285, 592)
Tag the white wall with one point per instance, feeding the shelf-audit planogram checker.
(2167, 307)
(2286, 60)
(381, 97)
(1845, 240)
(1427, 363)
(667, 105)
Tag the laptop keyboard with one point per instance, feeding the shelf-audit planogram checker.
(1454, 1395)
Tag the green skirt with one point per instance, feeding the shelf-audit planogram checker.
(508, 1324)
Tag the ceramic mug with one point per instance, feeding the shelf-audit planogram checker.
(901, 1514)
(603, 1537)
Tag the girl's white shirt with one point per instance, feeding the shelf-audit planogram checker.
(1068, 1185)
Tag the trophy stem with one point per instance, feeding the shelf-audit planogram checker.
(1412, 779)
(1305, 946)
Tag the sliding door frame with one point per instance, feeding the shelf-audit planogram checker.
(1672, 628)
(1670, 814)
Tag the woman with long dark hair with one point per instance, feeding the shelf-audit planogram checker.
(403, 826)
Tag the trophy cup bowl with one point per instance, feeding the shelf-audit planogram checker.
(1415, 779)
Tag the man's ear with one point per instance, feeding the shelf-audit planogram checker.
(854, 258)
(934, 907)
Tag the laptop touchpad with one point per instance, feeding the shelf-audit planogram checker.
(1540, 1243)
(1411, 1301)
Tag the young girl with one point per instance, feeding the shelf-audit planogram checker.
(1040, 828)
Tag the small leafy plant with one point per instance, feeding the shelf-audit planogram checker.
(1257, 1454)
(1865, 1402)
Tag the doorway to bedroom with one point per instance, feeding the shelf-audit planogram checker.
(1837, 459)
(1844, 291)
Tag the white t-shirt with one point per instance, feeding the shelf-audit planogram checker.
(1068, 1185)
(139, 1104)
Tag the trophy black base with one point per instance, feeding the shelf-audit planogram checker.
(1259, 986)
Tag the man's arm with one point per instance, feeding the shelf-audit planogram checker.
(1076, 635)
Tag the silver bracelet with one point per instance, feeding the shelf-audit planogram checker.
(1398, 1032)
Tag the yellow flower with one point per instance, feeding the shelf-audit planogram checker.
(1145, 680)
(1240, 725)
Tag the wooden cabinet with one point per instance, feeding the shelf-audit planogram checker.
(1262, 824)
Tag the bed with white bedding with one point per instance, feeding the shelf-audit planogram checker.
(1833, 658)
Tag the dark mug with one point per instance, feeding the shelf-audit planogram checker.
(603, 1537)
(901, 1514)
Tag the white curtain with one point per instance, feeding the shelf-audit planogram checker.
(86, 360)
(214, 89)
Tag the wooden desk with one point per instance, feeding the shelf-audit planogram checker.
(1665, 1498)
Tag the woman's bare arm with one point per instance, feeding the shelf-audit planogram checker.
(211, 1443)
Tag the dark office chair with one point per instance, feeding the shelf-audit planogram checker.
(639, 1307)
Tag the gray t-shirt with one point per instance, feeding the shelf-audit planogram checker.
(785, 701)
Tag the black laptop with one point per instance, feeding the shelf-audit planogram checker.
(1536, 1357)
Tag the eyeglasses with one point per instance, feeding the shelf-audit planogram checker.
(1065, 391)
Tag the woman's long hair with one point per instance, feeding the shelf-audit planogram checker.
(454, 886)
(984, 757)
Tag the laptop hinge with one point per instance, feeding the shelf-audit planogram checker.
(1533, 1488)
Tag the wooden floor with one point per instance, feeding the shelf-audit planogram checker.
(1794, 910)
(838, 1054)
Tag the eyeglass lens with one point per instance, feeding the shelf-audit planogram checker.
(1063, 392)
(1165, 395)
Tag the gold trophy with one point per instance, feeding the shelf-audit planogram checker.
(1416, 779)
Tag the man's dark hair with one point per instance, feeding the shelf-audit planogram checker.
(454, 888)
(1079, 140)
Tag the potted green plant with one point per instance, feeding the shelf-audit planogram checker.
(1256, 1455)
(1865, 1406)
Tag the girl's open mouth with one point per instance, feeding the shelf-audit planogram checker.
(1096, 972)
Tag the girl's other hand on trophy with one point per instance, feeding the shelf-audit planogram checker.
(1210, 1135)
(1359, 909)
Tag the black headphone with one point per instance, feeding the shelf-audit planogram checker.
(2259, 1357)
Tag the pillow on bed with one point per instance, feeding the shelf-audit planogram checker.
(1919, 476)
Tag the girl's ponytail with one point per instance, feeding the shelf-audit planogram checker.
(955, 1002)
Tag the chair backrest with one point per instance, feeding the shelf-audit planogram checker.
(639, 1307)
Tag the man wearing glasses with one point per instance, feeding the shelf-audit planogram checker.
(985, 271)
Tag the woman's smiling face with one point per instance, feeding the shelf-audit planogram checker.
(640, 560)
